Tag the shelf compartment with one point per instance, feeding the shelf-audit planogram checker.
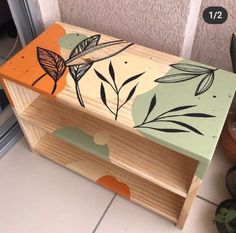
(143, 192)
(147, 159)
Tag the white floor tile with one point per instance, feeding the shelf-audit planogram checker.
(38, 196)
(213, 187)
(126, 217)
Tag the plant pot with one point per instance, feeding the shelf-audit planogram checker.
(225, 216)
(231, 181)
(228, 137)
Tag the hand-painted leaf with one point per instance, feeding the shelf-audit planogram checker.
(195, 69)
(151, 106)
(205, 84)
(176, 78)
(111, 71)
(101, 76)
(167, 130)
(51, 62)
(87, 43)
(103, 95)
(131, 79)
(97, 53)
(131, 93)
(201, 115)
(183, 125)
(78, 71)
(177, 109)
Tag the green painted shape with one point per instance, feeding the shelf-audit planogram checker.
(70, 40)
(173, 95)
(201, 170)
(82, 140)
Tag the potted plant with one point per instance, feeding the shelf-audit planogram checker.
(225, 216)
(231, 181)
(228, 137)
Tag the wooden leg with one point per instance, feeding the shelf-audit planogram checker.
(188, 202)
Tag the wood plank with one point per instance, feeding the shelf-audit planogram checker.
(151, 196)
(149, 160)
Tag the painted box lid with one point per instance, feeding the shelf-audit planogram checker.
(178, 103)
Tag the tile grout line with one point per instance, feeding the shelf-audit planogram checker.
(204, 199)
(104, 213)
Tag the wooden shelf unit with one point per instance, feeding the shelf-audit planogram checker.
(158, 178)
(140, 122)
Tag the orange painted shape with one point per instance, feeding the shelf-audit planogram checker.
(114, 185)
(24, 67)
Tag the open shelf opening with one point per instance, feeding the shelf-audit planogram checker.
(143, 192)
(132, 152)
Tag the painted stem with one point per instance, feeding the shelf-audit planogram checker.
(38, 79)
(54, 87)
(78, 93)
(117, 105)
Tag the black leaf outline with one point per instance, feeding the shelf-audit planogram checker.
(111, 71)
(116, 89)
(151, 107)
(77, 72)
(131, 93)
(200, 115)
(205, 84)
(131, 79)
(184, 125)
(166, 130)
(191, 68)
(85, 44)
(191, 72)
(165, 117)
(176, 78)
(52, 63)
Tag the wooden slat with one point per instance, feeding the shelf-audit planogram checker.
(21, 96)
(145, 193)
(188, 202)
(149, 160)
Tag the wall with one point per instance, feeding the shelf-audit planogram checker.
(173, 26)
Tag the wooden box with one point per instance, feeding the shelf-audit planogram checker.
(142, 123)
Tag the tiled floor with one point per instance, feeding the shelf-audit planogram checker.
(38, 196)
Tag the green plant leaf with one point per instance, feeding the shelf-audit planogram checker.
(230, 229)
(220, 218)
(230, 216)
(196, 69)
